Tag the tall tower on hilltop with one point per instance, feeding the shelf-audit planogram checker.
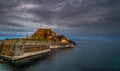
(26, 36)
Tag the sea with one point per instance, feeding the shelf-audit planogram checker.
(88, 55)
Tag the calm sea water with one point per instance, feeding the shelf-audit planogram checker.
(89, 55)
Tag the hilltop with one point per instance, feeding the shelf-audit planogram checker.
(47, 35)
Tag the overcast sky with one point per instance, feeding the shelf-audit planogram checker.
(68, 16)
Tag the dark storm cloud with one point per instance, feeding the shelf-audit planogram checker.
(7, 25)
(70, 15)
(12, 29)
(6, 22)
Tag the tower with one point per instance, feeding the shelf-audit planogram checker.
(26, 36)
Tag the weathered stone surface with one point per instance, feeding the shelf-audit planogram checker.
(15, 48)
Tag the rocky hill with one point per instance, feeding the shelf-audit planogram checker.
(48, 35)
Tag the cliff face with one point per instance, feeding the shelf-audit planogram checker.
(48, 35)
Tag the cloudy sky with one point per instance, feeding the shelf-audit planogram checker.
(65, 16)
